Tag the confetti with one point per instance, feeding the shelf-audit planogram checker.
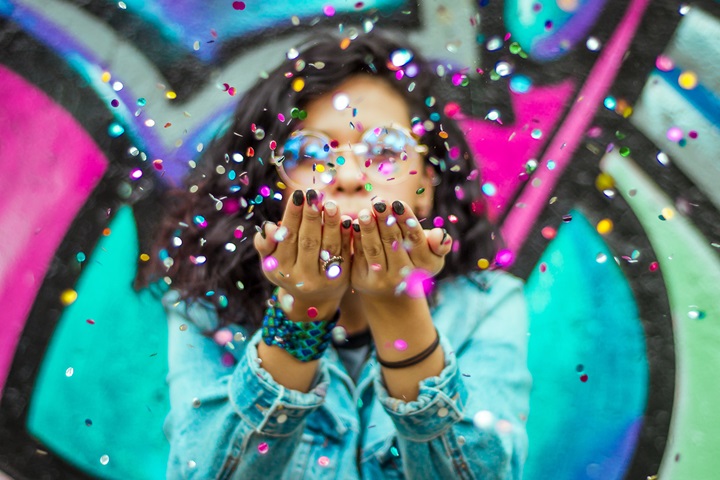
(239, 5)
(504, 258)
(604, 226)
(483, 420)
(340, 101)
(329, 10)
(323, 461)
(312, 312)
(400, 344)
(401, 57)
(674, 134)
(270, 263)
(68, 297)
(263, 448)
(688, 80)
(418, 283)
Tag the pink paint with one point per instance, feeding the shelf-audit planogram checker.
(519, 221)
(503, 150)
(49, 165)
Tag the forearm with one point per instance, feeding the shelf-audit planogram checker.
(285, 369)
(402, 327)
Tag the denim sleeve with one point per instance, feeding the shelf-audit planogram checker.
(228, 421)
(470, 421)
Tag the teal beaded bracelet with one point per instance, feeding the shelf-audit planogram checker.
(305, 341)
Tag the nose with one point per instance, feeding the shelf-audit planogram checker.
(350, 177)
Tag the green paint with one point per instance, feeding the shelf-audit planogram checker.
(691, 270)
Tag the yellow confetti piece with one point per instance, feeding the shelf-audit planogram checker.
(604, 182)
(668, 213)
(105, 77)
(298, 84)
(144, 257)
(604, 226)
(688, 80)
(68, 297)
(171, 95)
(483, 263)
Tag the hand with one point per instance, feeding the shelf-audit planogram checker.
(390, 244)
(290, 256)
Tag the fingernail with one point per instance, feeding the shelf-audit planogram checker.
(297, 197)
(356, 227)
(364, 216)
(261, 229)
(398, 207)
(445, 235)
(346, 223)
(312, 197)
(380, 207)
(411, 222)
(331, 208)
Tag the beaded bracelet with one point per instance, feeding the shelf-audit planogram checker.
(305, 341)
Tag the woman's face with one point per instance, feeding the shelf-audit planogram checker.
(375, 104)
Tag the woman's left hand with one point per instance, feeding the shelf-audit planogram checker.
(391, 244)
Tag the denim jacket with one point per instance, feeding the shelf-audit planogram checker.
(230, 420)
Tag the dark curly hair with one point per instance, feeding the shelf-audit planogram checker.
(205, 248)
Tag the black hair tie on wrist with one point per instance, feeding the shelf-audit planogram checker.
(412, 360)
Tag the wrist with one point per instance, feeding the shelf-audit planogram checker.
(305, 341)
(306, 310)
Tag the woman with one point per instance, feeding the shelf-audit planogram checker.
(343, 339)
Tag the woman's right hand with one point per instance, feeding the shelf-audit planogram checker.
(290, 256)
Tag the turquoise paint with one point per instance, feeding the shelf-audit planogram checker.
(582, 312)
(119, 367)
(545, 30)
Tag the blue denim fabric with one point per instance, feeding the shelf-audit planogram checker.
(236, 422)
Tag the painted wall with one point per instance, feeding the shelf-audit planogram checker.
(595, 124)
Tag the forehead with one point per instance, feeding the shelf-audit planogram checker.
(362, 100)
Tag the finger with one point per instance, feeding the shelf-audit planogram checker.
(371, 243)
(439, 241)
(346, 245)
(264, 240)
(310, 234)
(390, 236)
(415, 241)
(292, 218)
(331, 233)
(359, 262)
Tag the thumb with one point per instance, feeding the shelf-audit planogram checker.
(439, 241)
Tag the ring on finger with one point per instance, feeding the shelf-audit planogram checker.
(331, 264)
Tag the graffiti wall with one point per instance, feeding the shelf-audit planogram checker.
(594, 122)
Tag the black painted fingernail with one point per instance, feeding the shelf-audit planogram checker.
(312, 197)
(356, 227)
(297, 197)
(346, 223)
(380, 207)
(261, 229)
(398, 207)
(445, 235)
